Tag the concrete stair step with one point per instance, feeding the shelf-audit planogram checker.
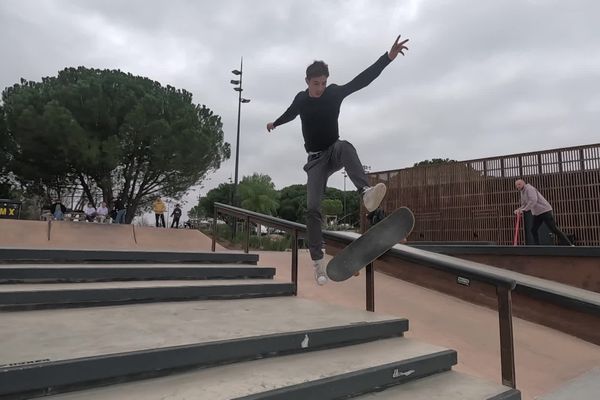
(325, 374)
(40, 295)
(450, 385)
(70, 347)
(8, 255)
(32, 273)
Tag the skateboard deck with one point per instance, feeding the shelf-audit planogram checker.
(373, 243)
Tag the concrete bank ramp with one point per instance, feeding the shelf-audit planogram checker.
(21, 233)
(84, 235)
(93, 236)
(149, 238)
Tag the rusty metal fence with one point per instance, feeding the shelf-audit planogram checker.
(474, 200)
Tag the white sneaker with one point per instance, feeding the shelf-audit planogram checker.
(372, 196)
(320, 275)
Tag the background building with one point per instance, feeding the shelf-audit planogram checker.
(474, 200)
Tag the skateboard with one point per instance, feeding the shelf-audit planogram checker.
(367, 248)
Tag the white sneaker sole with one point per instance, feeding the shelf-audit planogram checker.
(375, 197)
(320, 275)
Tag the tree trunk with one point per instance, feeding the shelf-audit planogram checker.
(87, 190)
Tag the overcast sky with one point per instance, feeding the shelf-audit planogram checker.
(480, 78)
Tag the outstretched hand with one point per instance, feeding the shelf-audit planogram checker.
(270, 126)
(397, 47)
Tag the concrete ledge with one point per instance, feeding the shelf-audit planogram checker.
(575, 266)
(568, 309)
(571, 314)
(452, 249)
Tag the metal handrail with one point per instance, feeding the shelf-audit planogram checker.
(462, 268)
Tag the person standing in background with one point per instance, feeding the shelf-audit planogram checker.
(58, 210)
(159, 209)
(121, 211)
(532, 200)
(176, 214)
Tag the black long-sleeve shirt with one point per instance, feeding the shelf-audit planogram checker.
(319, 115)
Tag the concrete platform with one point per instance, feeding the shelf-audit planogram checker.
(293, 377)
(450, 385)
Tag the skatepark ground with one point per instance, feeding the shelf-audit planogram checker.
(545, 358)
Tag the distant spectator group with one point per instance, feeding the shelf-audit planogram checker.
(117, 215)
(101, 214)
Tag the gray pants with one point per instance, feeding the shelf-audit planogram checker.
(319, 168)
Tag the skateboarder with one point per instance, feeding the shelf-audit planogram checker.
(319, 108)
(532, 200)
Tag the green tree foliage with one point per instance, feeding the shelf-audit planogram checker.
(106, 129)
(196, 212)
(332, 207)
(8, 185)
(5, 142)
(292, 203)
(257, 193)
(221, 194)
(5, 185)
(434, 161)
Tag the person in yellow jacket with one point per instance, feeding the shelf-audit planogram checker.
(159, 209)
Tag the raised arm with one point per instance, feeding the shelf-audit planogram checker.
(397, 47)
(289, 114)
(367, 76)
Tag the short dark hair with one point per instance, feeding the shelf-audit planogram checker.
(317, 68)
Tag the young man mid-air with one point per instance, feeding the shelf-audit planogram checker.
(319, 108)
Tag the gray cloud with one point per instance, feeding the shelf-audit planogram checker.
(480, 78)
